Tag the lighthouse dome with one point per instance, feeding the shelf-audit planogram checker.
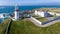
(16, 8)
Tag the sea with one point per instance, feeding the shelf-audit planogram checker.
(10, 9)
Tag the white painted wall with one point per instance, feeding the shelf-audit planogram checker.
(35, 12)
(52, 13)
(39, 13)
(37, 21)
(57, 14)
(16, 15)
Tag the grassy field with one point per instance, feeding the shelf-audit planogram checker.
(55, 10)
(27, 27)
(36, 16)
(3, 26)
(42, 19)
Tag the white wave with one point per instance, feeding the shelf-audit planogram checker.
(2, 15)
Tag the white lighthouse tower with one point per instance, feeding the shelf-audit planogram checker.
(16, 12)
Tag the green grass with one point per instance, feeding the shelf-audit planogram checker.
(3, 26)
(55, 10)
(27, 27)
(36, 16)
(42, 19)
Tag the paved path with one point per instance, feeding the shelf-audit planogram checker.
(8, 27)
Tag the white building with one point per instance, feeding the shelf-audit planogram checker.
(41, 13)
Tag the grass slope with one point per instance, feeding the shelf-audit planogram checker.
(27, 27)
(3, 26)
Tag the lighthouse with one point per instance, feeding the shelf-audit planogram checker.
(16, 12)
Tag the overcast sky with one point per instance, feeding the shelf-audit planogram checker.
(29, 2)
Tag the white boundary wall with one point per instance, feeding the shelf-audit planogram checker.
(37, 21)
(52, 13)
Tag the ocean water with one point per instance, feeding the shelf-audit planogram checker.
(10, 9)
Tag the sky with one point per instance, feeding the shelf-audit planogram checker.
(30, 2)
